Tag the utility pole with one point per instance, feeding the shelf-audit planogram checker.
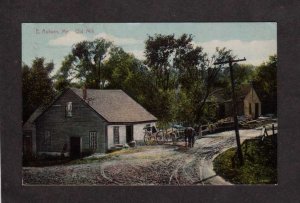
(236, 124)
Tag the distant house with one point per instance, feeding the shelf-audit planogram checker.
(251, 102)
(248, 102)
(83, 121)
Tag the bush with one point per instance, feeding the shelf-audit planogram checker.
(260, 163)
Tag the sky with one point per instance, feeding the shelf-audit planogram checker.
(53, 41)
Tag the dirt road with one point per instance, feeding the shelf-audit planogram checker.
(153, 165)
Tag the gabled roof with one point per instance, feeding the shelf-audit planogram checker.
(28, 124)
(39, 111)
(243, 91)
(115, 106)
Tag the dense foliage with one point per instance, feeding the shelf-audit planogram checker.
(260, 162)
(184, 74)
(83, 65)
(174, 82)
(265, 79)
(37, 86)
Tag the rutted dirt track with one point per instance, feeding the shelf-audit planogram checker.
(153, 165)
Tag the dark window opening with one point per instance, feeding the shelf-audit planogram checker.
(75, 146)
(256, 110)
(129, 133)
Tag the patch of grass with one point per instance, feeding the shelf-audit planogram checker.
(110, 155)
(132, 150)
(92, 159)
(260, 163)
(128, 150)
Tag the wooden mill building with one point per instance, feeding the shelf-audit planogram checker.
(84, 121)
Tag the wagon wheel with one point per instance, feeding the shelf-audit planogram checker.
(160, 138)
(153, 139)
(149, 138)
(169, 136)
(174, 136)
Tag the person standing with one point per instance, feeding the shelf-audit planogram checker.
(193, 134)
(190, 136)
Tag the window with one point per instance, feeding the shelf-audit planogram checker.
(250, 110)
(116, 135)
(47, 138)
(93, 140)
(69, 109)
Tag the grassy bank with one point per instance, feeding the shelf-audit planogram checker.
(260, 163)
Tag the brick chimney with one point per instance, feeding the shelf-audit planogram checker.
(84, 93)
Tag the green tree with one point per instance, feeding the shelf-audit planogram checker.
(37, 89)
(159, 52)
(242, 73)
(114, 68)
(201, 81)
(120, 69)
(84, 64)
(265, 79)
(178, 62)
(124, 71)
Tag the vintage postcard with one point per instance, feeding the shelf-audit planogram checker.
(149, 103)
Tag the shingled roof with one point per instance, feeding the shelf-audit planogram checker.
(115, 106)
(243, 90)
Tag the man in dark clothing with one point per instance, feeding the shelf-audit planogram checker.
(190, 136)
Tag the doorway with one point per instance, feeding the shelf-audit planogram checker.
(75, 148)
(256, 110)
(129, 134)
(221, 110)
(27, 144)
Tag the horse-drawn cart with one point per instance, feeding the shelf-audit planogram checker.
(153, 136)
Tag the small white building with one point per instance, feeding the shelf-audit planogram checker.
(252, 104)
(248, 100)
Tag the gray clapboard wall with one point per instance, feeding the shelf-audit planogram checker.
(61, 128)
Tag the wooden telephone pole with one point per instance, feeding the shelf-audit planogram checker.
(236, 124)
